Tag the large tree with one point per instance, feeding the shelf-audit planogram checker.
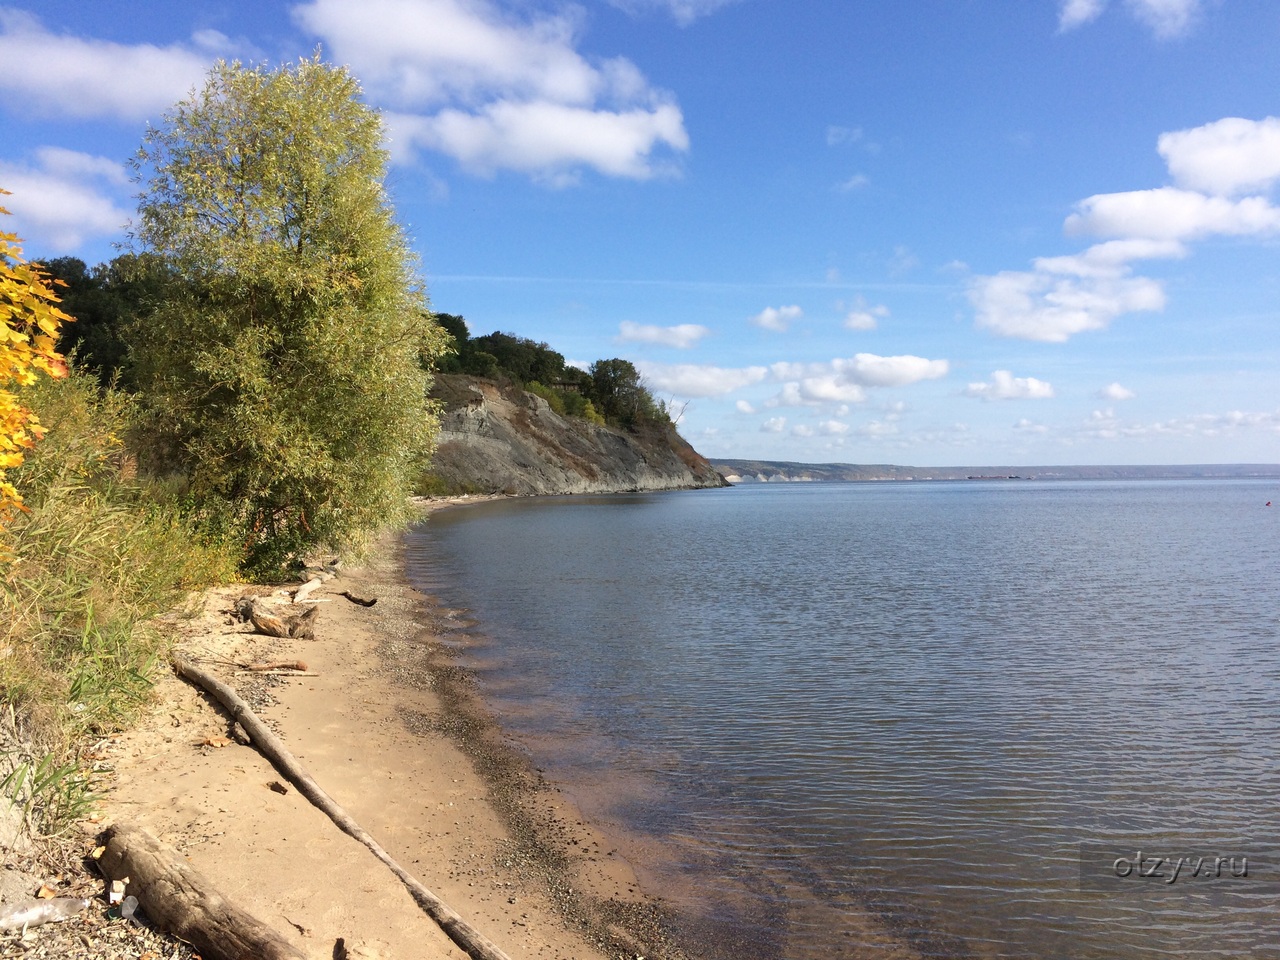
(283, 364)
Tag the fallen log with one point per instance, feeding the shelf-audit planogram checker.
(302, 626)
(363, 601)
(181, 900)
(474, 943)
(275, 665)
(308, 588)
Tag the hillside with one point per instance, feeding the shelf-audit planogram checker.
(497, 438)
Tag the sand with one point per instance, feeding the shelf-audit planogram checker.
(391, 730)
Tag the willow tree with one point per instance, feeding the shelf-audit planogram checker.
(282, 363)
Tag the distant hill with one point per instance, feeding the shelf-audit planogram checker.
(781, 471)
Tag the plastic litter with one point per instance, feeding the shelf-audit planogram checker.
(128, 909)
(32, 913)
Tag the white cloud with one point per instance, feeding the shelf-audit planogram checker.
(1003, 385)
(744, 406)
(832, 428)
(1074, 13)
(777, 319)
(65, 198)
(1030, 426)
(1226, 157)
(1104, 425)
(871, 370)
(1063, 296)
(61, 74)
(1116, 392)
(845, 380)
(878, 429)
(682, 336)
(1168, 213)
(864, 317)
(802, 431)
(774, 425)
(856, 182)
(814, 391)
(684, 12)
(700, 380)
(497, 92)
(1165, 18)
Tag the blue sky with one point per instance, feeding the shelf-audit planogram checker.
(929, 232)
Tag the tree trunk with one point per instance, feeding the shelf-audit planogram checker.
(471, 940)
(179, 899)
(302, 626)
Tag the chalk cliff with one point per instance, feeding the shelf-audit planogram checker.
(496, 438)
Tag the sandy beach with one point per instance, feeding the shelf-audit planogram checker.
(389, 727)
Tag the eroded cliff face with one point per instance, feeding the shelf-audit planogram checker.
(497, 439)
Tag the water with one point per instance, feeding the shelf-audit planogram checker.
(842, 720)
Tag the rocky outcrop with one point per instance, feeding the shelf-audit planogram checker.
(496, 438)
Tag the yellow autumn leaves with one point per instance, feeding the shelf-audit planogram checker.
(29, 321)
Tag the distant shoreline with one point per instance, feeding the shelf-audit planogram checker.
(783, 471)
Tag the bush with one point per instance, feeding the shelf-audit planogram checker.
(97, 553)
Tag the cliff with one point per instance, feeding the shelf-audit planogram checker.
(495, 438)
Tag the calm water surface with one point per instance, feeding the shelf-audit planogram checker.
(836, 720)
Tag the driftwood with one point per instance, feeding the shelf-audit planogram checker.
(274, 665)
(179, 899)
(308, 588)
(363, 601)
(301, 626)
(474, 943)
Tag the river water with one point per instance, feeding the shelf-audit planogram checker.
(938, 719)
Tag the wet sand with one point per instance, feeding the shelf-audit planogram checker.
(392, 729)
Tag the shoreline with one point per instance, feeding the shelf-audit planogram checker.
(391, 728)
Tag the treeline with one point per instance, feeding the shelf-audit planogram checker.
(248, 385)
(609, 391)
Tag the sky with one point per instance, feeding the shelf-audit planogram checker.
(926, 232)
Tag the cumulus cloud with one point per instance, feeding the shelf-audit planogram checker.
(682, 336)
(700, 380)
(844, 380)
(1165, 18)
(498, 92)
(1168, 213)
(777, 319)
(65, 197)
(1064, 296)
(1212, 165)
(864, 317)
(1227, 157)
(744, 406)
(774, 425)
(1003, 385)
(803, 430)
(833, 428)
(60, 74)
(1116, 392)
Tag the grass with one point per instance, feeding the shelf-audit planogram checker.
(98, 554)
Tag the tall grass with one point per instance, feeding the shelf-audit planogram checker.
(97, 554)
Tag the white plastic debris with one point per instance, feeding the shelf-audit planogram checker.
(32, 913)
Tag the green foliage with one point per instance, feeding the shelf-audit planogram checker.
(283, 370)
(104, 300)
(621, 395)
(98, 553)
(49, 794)
(555, 399)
